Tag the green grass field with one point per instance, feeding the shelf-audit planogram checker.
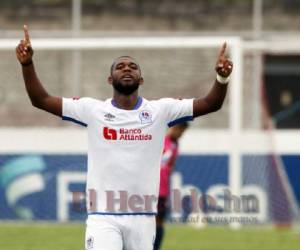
(43, 236)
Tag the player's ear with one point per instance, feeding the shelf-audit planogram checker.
(110, 80)
(141, 80)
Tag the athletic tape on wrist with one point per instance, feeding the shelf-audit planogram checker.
(223, 80)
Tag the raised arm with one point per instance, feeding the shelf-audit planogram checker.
(213, 101)
(36, 92)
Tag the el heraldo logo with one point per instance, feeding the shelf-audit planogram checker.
(124, 134)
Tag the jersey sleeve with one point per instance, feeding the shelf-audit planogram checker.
(77, 110)
(177, 110)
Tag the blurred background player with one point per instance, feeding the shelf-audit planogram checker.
(169, 156)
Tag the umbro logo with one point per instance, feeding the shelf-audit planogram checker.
(109, 117)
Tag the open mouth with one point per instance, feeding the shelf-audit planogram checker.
(127, 77)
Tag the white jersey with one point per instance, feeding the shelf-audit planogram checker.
(124, 150)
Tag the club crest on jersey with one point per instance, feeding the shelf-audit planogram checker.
(90, 242)
(145, 117)
(109, 117)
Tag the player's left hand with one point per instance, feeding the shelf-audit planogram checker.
(224, 65)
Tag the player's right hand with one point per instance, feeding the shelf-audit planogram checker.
(24, 50)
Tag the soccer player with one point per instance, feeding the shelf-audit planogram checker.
(125, 143)
(167, 163)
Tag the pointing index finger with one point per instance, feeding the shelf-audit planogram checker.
(26, 33)
(222, 52)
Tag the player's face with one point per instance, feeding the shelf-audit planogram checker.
(125, 76)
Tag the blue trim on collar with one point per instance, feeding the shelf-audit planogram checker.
(136, 106)
(138, 103)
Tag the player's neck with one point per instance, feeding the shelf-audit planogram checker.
(127, 102)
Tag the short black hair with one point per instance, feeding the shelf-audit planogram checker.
(114, 62)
